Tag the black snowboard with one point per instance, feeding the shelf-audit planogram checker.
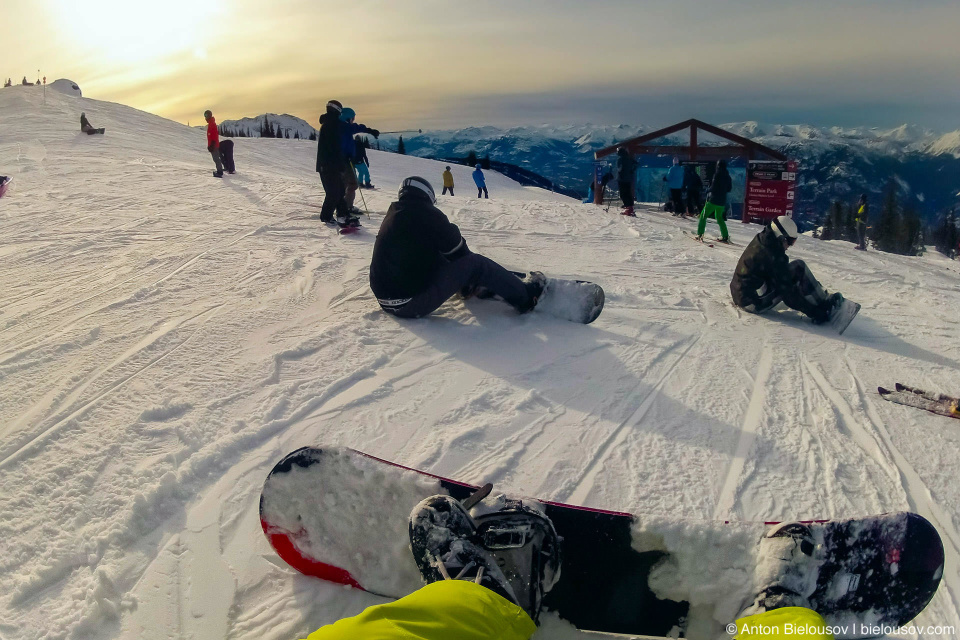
(341, 515)
(226, 156)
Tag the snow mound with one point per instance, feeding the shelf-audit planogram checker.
(68, 87)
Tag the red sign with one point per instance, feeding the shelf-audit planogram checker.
(771, 189)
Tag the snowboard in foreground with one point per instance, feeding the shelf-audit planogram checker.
(933, 402)
(341, 515)
(4, 185)
(573, 300)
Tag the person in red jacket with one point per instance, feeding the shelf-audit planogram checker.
(213, 142)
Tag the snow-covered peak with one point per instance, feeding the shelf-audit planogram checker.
(285, 125)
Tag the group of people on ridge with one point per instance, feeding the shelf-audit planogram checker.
(9, 82)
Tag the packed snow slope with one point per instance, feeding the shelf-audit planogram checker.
(165, 337)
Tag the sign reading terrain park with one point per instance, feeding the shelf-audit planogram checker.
(771, 186)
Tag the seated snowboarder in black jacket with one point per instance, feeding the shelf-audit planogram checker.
(86, 127)
(765, 277)
(420, 260)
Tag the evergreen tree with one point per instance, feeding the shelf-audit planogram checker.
(829, 230)
(886, 229)
(401, 149)
(485, 163)
(850, 223)
(313, 135)
(911, 234)
(472, 159)
(296, 135)
(946, 236)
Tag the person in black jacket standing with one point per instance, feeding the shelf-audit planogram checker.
(765, 276)
(420, 260)
(330, 161)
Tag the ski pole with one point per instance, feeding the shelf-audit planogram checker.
(362, 199)
(404, 131)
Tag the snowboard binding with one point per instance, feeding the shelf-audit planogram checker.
(507, 546)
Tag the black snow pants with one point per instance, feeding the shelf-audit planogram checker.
(806, 295)
(333, 192)
(676, 196)
(626, 193)
(471, 271)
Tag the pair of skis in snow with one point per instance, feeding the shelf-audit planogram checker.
(937, 403)
(342, 515)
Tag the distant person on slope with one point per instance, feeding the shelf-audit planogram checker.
(863, 212)
(765, 276)
(348, 127)
(717, 202)
(26, 82)
(694, 186)
(626, 168)
(674, 180)
(361, 163)
(213, 142)
(481, 183)
(86, 127)
(448, 182)
(420, 260)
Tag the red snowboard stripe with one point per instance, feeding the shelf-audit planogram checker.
(289, 553)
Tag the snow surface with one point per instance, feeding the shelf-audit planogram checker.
(166, 337)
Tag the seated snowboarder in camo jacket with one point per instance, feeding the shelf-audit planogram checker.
(765, 276)
(420, 260)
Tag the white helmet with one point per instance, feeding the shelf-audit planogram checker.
(421, 184)
(785, 227)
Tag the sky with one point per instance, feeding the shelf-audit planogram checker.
(434, 64)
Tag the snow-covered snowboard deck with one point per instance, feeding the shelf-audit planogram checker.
(574, 300)
(843, 316)
(933, 402)
(341, 515)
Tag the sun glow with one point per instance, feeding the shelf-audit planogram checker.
(136, 30)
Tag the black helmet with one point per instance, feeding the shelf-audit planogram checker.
(208, 114)
(415, 185)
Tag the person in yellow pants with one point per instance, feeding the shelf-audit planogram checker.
(796, 623)
(445, 610)
(469, 597)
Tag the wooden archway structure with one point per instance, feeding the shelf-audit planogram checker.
(741, 147)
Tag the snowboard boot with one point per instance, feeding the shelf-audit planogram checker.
(535, 282)
(829, 307)
(525, 544)
(628, 211)
(786, 569)
(218, 174)
(445, 545)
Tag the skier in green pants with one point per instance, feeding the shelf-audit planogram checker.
(717, 202)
